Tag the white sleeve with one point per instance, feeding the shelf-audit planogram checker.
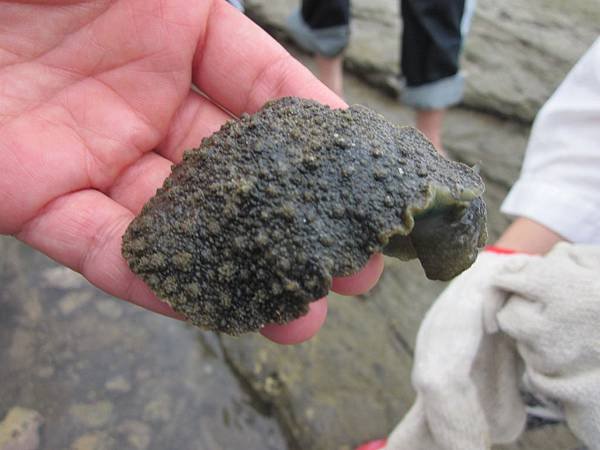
(559, 185)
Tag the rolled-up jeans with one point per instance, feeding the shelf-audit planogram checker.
(432, 40)
(321, 26)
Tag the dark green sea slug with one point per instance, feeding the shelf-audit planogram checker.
(251, 226)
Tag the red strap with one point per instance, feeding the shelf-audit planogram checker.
(499, 250)
(373, 445)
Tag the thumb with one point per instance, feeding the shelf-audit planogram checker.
(522, 319)
(517, 274)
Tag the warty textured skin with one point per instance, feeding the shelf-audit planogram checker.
(251, 226)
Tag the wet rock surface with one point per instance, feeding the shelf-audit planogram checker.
(106, 375)
(252, 226)
(516, 54)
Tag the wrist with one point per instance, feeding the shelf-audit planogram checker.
(527, 236)
(500, 250)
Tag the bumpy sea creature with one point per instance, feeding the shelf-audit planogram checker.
(251, 226)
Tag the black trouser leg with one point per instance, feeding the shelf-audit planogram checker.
(431, 40)
(325, 13)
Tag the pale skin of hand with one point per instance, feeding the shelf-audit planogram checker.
(95, 107)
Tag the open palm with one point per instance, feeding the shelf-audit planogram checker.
(95, 107)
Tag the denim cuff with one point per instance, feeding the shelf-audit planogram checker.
(439, 94)
(327, 42)
(237, 4)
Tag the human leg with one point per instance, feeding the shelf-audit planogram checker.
(432, 40)
(331, 72)
(322, 27)
(429, 122)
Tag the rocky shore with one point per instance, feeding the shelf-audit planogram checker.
(102, 374)
(516, 53)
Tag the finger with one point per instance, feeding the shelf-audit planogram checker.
(360, 282)
(521, 318)
(196, 118)
(243, 76)
(519, 275)
(83, 231)
(139, 182)
(301, 329)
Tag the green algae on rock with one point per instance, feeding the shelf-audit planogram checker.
(251, 226)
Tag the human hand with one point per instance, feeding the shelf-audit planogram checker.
(505, 312)
(465, 373)
(554, 301)
(553, 315)
(95, 107)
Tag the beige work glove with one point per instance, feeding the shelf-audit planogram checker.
(554, 317)
(467, 370)
(466, 373)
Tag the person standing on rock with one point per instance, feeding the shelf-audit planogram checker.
(432, 40)
(526, 315)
